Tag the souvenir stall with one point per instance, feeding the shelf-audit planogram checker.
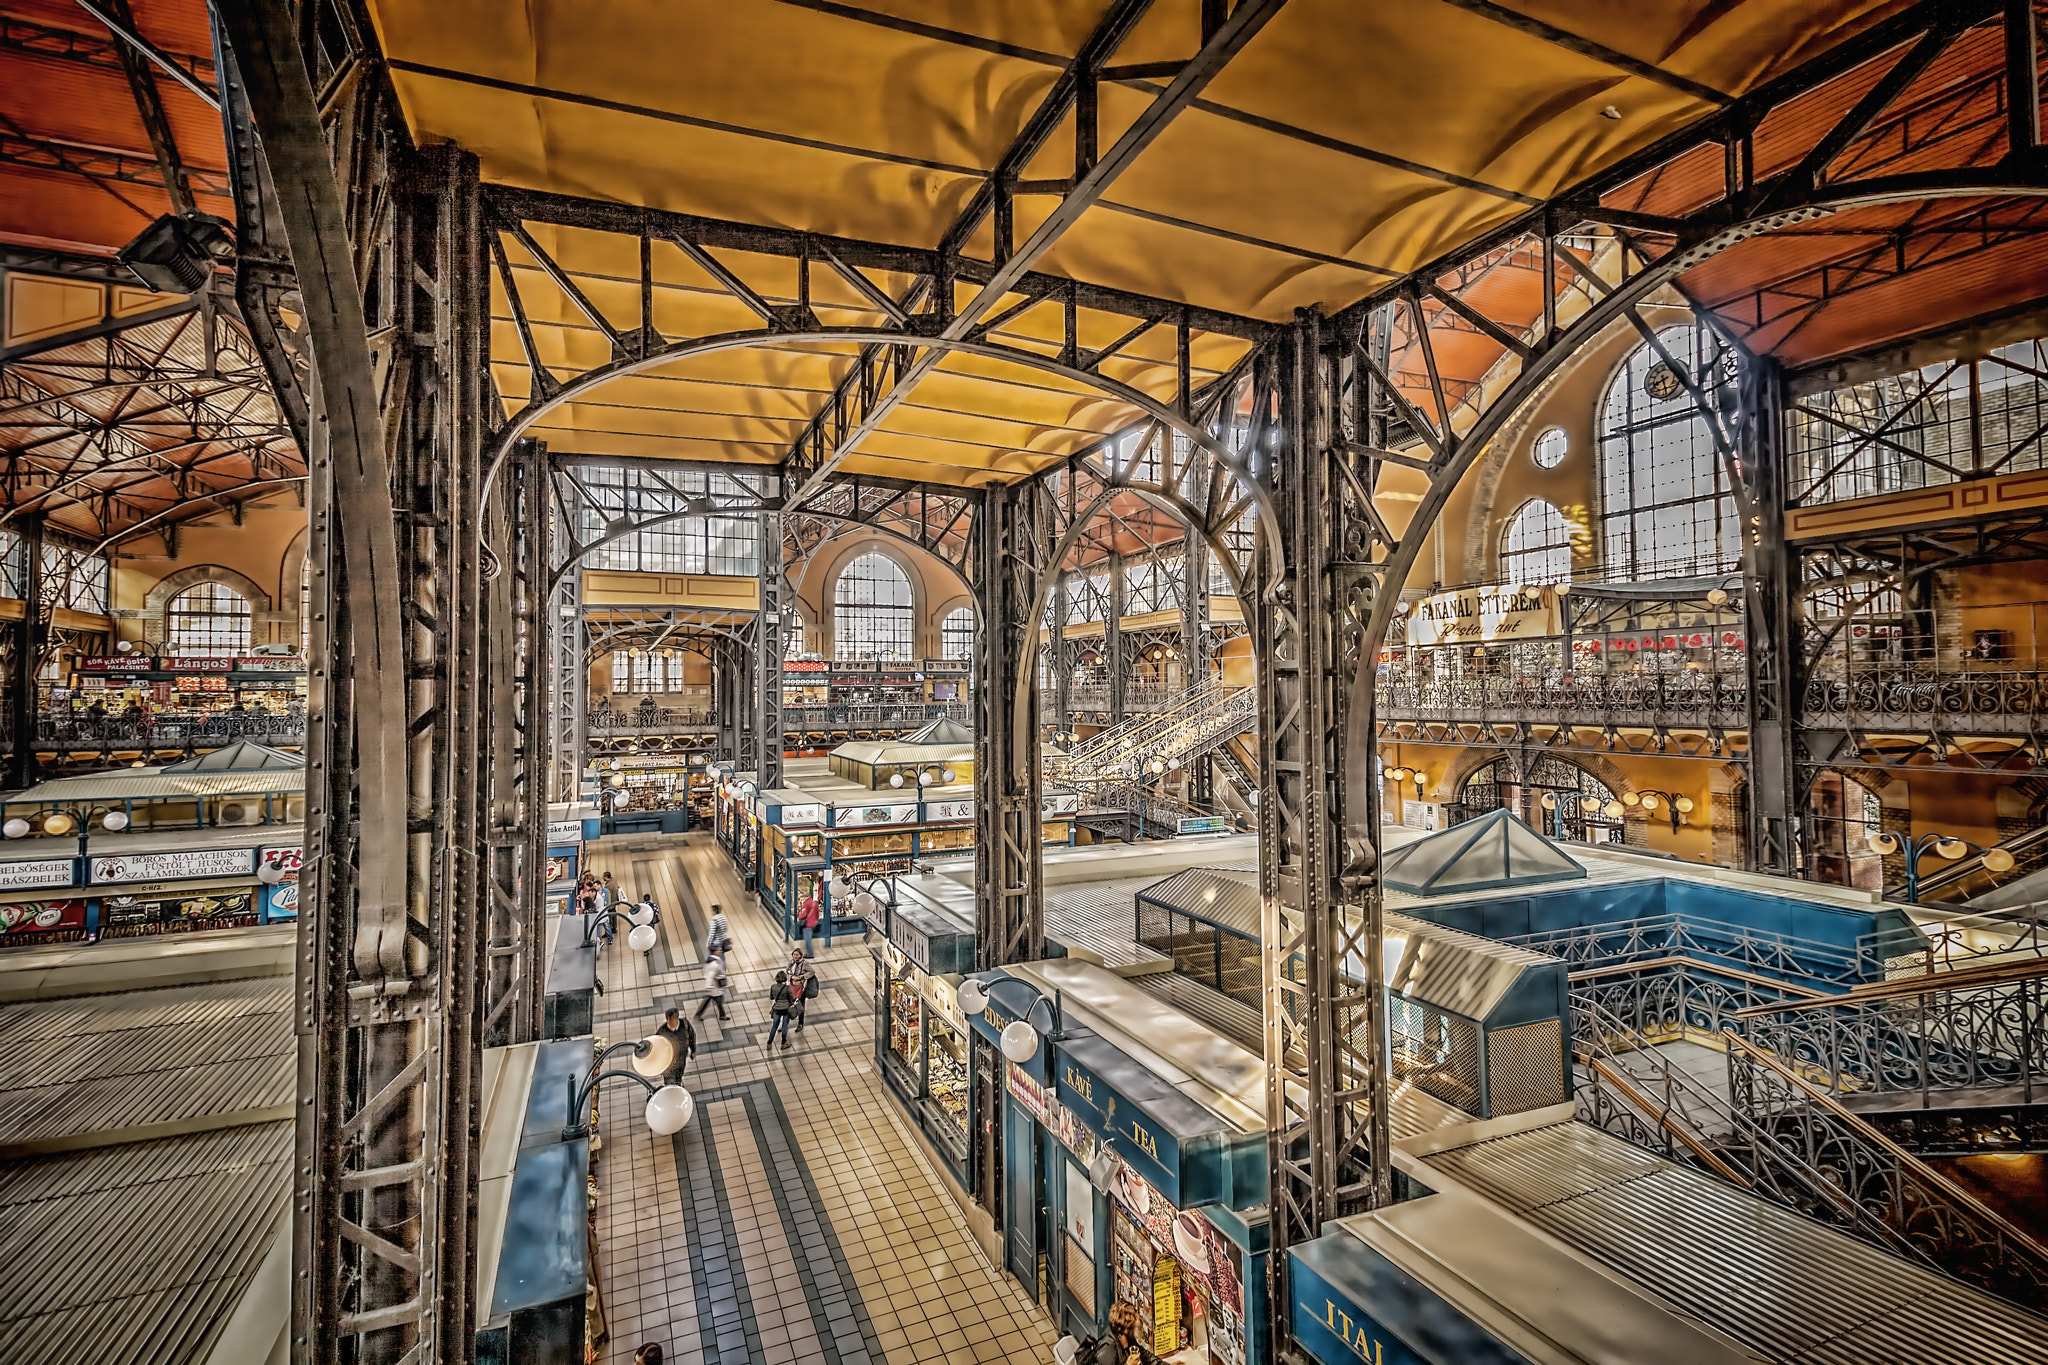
(921, 1038)
(1144, 1131)
(567, 828)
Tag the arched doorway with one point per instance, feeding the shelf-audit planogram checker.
(1558, 796)
(1845, 814)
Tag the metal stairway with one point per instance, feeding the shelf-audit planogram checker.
(1202, 719)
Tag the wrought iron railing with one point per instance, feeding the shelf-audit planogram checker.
(1203, 718)
(1660, 936)
(1859, 692)
(169, 733)
(1948, 1228)
(1674, 697)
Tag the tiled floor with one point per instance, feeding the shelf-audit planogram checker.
(797, 1218)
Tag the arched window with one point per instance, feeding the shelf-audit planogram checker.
(1562, 799)
(1536, 545)
(871, 616)
(956, 634)
(792, 636)
(1666, 509)
(208, 619)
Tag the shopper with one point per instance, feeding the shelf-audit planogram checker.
(1120, 1346)
(682, 1038)
(714, 984)
(720, 937)
(803, 984)
(780, 1004)
(807, 916)
(650, 1354)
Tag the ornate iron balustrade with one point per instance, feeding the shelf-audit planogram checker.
(1986, 1037)
(1204, 718)
(1667, 1002)
(115, 732)
(1658, 936)
(651, 720)
(1097, 698)
(837, 717)
(1682, 698)
(1948, 1227)
(1915, 695)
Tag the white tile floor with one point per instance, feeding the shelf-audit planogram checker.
(816, 1229)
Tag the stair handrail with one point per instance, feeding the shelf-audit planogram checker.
(1924, 1205)
(2027, 842)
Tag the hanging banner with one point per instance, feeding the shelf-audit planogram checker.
(1475, 616)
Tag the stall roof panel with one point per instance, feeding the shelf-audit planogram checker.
(1463, 973)
(1498, 849)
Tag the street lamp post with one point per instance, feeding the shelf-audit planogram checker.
(1948, 846)
(1650, 798)
(669, 1107)
(1020, 1036)
(642, 917)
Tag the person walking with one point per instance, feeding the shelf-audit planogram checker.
(803, 984)
(682, 1038)
(650, 1354)
(807, 916)
(719, 937)
(714, 984)
(780, 1005)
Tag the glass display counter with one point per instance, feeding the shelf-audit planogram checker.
(927, 1061)
(906, 1011)
(946, 1082)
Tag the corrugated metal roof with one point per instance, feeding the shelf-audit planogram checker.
(145, 785)
(1787, 1287)
(1227, 897)
(102, 1063)
(138, 1253)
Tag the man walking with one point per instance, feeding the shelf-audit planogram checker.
(714, 984)
(807, 916)
(682, 1038)
(719, 937)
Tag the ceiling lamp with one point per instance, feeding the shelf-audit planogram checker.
(177, 253)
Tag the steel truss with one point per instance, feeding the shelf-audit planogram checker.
(424, 839)
(1274, 465)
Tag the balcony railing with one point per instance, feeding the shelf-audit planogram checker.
(872, 717)
(1686, 697)
(115, 732)
(1920, 694)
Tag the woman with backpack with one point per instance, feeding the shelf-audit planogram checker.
(781, 1003)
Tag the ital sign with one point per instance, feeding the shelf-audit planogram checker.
(1475, 616)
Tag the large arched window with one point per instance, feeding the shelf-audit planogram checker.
(871, 611)
(792, 636)
(208, 619)
(956, 634)
(1666, 509)
(1536, 545)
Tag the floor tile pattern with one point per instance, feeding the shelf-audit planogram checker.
(798, 1220)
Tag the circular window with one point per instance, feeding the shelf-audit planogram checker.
(1550, 448)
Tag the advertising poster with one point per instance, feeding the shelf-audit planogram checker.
(1077, 1219)
(125, 917)
(43, 920)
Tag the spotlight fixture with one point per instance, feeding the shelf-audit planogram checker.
(177, 253)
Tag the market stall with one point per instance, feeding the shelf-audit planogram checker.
(921, 1038)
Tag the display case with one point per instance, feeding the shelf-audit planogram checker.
(946, 1083)
(906, 1038)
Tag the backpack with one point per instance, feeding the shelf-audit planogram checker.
(811, 986)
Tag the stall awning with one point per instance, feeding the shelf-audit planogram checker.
(157, 784)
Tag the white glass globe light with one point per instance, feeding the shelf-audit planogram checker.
(641, 939)
(973, 996)
(924, 779)
(1884, 843)
(642, 914)
(270, 874)
(17, 828)
(1650, 801)
(114, 821)
(1020, 1041)
(949, 776)
(670, 1109)
(657, 1059)
(1998, 860)
(59, 823)
(896, 779)
(864, 904)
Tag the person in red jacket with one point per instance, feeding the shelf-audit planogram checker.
(807, 916)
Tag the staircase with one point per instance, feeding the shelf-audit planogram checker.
(1778, 1135)
(1967, 881)
(1196, 723)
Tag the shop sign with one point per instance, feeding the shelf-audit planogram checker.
(148, 867)
(994, 1018)
(38, 872)
(1473, 616)
(844, 817)
(269, 663)
(281, 901)
(1677, 639)
(938, 812)
(558, 868)
(114, 663)
(565, 832)
(1330, 1327)
(192, 663)
(1060, 803)
(804, 666)
(1202, 824)
(31, 917)
(1138, 1140)
(808, 814)
(1029, 1092)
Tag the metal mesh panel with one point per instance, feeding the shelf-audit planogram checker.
(1219, 959)
(1525, 1067)
(1079, 1273)
(1436, 1052)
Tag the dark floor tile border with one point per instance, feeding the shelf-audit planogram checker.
(839, 1317)
(726, 1329)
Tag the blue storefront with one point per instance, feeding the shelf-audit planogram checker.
(1118, 1181)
